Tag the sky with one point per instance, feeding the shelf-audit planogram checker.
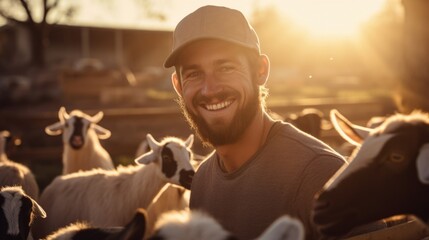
(341, 17)
(129, 14)
(318, 16)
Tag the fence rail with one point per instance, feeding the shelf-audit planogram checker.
(129, 127)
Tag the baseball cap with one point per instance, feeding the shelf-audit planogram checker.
(212, 22)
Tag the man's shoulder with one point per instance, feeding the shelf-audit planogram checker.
(291, 140)
(207, 163)
(287, 132)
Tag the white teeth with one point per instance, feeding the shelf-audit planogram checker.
(218, 106)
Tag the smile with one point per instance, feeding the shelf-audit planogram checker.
(218, 106)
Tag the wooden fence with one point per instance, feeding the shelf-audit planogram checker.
(130, 125)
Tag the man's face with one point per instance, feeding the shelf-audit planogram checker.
(219, 95)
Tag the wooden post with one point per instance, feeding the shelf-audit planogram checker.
(415, 83)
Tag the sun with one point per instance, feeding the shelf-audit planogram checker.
(330, 18)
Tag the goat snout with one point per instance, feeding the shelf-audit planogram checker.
(186, 178)
(76, 142)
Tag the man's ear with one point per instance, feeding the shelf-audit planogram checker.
(176, 83)
(263, 69)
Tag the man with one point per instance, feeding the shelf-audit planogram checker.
(261, 168)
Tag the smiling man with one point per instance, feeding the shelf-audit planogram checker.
(261, 169)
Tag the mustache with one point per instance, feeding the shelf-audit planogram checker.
(220, 96)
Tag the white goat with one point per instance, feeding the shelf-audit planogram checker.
(171, 197)
(82, 148)
(134, 230)
(108, 198)
(13, 173)
(17, 211)
(196, 225)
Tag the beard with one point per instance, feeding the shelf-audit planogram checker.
(227, 134)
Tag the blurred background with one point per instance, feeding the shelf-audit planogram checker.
(366, 58)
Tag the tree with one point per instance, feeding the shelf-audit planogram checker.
(149, 10)
(33, 16)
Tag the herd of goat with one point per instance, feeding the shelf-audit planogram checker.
(387, 175)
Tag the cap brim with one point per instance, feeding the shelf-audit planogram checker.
(170, 61)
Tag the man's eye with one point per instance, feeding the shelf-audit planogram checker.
(226, 68)
(192, 75)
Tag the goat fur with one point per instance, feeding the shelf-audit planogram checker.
(108, 198)
(15, 212)
(134, 230)
(13, 173)
(92, 154)
(196, 224)
(171, 197)
(388, 172)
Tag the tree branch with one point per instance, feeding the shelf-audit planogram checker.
(24, 4)
(10, 18)
(47, 8)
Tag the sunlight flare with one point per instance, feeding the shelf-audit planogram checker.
(330, 18)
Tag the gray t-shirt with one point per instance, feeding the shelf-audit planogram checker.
(281, 178)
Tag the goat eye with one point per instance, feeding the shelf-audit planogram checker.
(396, 157)
(166, 158)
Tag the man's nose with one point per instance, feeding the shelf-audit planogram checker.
(211, 85)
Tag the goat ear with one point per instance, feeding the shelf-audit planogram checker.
(97, 117)
(352, 133)
(150, 156)
(146, 158)
(153, 144)
(63, 115)
(38, 210)
(422, 163)
(54, 129)
(136, 228)
(284, 227)
(101, 132)
(189, 141)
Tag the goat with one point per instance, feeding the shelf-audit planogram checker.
(134, 230)
(94, 195)
(196, 225)
(13, 173)
(17, 211)
(309, 120)
(388, 174)
(172, 197)
(82, 148)
(347, 148)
